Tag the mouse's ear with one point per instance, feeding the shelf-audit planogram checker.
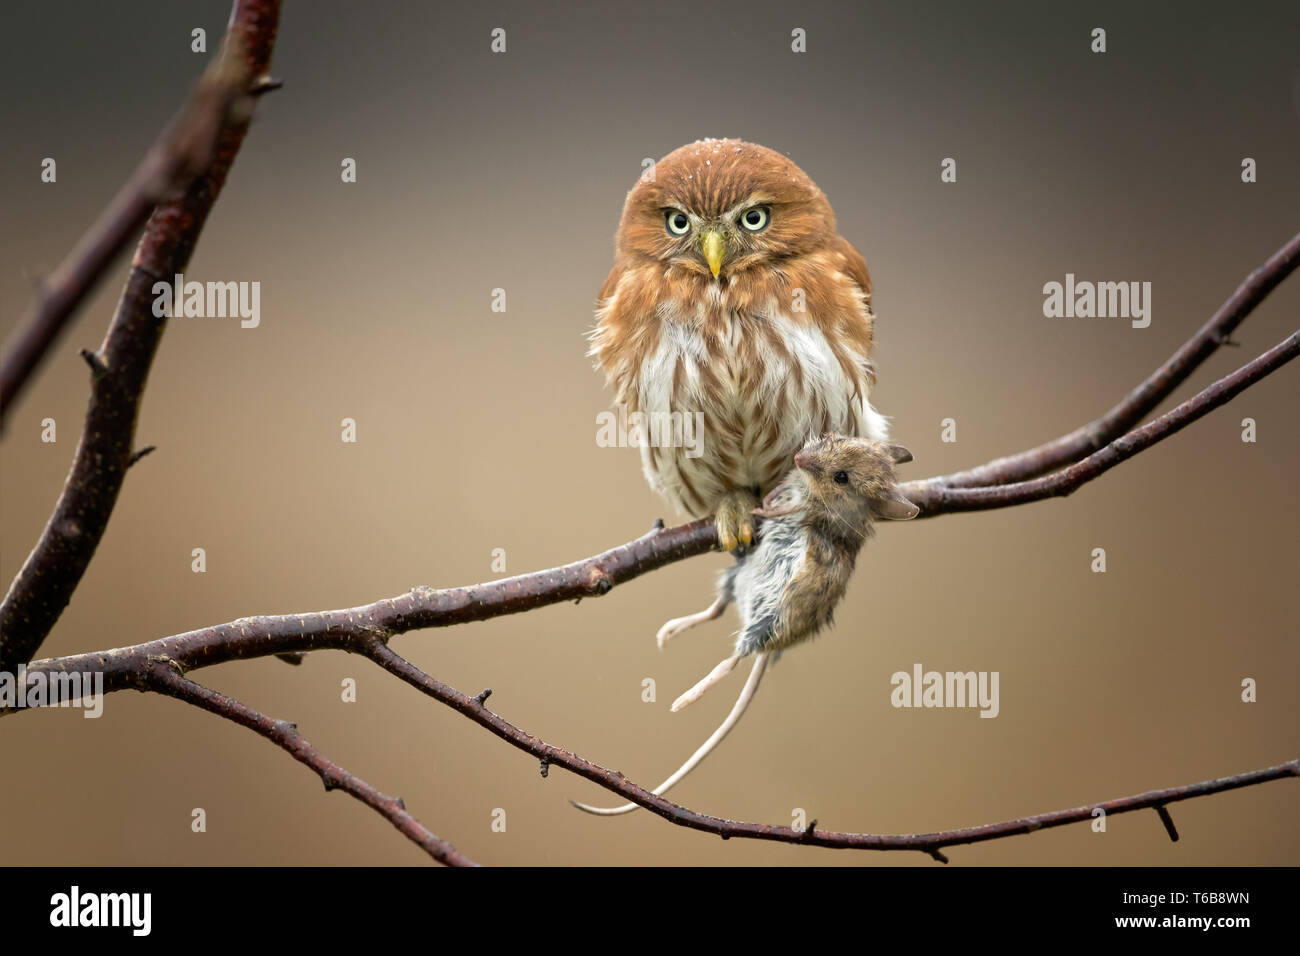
(900, 454)
(894, 507)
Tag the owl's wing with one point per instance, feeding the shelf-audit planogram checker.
(607, 338)
(611, 282)
(855, 265)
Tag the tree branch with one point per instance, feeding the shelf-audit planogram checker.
(931, 843)
(159, 665)
(936, 499)
(161, 677)
(158, 672)
(1157, 387)
(184, 152)
(423, 607)
(198, 153)
(120, 368)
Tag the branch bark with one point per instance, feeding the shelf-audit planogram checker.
(161, 677)
(423, 607)
(936, 499)
(160, 673)
(119, 369)
(1155, 389)
(184, 152)
(930, 843)
(160, 665)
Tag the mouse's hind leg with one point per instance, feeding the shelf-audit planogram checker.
(696, 692)
(726, 594)
(678, 624)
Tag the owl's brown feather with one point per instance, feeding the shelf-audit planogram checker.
(774, 349)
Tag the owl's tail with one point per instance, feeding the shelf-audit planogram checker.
(742, 704)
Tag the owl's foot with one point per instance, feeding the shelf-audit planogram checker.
(735, 520)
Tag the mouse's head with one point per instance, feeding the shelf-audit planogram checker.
(852, 479)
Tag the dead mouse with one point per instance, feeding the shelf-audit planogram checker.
(786, 588)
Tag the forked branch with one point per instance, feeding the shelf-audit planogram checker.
(162, 677)
(120, 368)
(1158, 386)
(158, 672)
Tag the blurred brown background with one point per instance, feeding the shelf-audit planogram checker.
(477, 429)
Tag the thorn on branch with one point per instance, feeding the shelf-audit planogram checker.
(939, 855)
(97, 366)
(400, 802)
(288, 726)
(137, 455)
(291, 657)
(482, 695)
(1163, 812)
(658, 525)
(808, 830)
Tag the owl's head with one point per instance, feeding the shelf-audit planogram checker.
(720, 206)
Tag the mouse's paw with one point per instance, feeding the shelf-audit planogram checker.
(670, 630)
(678, 624)
(696, 692)
(735, 519)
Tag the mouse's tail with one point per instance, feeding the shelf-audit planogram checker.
(733, 718)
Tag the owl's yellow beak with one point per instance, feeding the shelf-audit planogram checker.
(715, 250)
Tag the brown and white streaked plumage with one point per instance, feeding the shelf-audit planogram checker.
(787, 588)
(732, 295)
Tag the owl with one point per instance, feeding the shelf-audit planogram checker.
(733, 304)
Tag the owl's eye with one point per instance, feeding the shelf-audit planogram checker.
(841, 477)
(756, 219)
(678, 224)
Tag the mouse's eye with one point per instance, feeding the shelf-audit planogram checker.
(841, 477)
(678, 224)
(756, 219)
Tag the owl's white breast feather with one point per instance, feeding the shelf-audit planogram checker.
(758, 409)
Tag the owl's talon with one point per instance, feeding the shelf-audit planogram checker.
(734, 521)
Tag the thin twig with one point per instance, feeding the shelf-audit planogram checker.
(161, 677)
(1143, 399)
(56, 564)
(183, 152)
(928, 843)
(940, 499)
